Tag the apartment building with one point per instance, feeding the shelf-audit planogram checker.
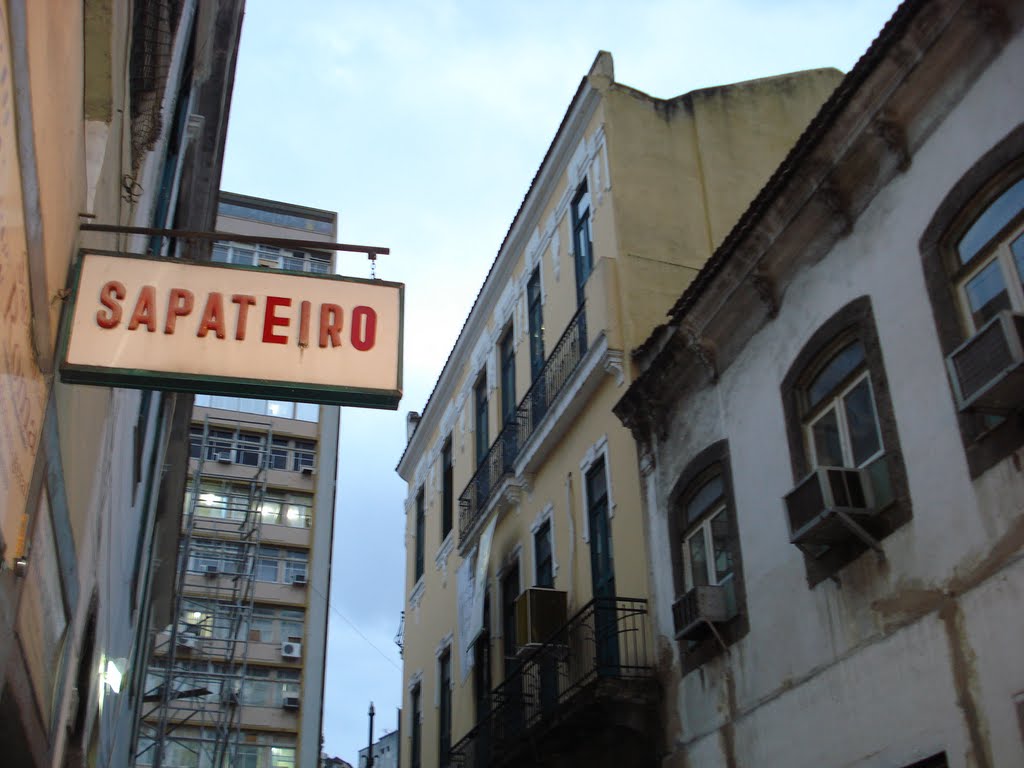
(832, 456)
(527, 632)
(239, 679)
(113, 114)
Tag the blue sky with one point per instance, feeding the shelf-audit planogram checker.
(422, 122)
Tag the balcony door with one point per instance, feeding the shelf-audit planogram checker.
(602, 570)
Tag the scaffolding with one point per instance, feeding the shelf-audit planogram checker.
(199, 664)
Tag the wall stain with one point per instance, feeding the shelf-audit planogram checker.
(964, 680)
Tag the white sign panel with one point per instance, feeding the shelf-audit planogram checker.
(212, 328)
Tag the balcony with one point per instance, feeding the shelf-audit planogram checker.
(499, 463)
(593, 677)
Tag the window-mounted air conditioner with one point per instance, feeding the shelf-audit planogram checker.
(308, 469)
(290, 701)
(224, 457)
(540, 613)
(699, 607)
(299, 580)
(188, 642)
(827, 506)
(291, 650)
(210, 571)
(987, 370)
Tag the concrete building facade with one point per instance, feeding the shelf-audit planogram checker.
(113, 113)
(829, 429)
(243, 670)
(526, 632)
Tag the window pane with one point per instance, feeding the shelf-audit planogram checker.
(271, 512)
(266, 570)
(720, 545)
(862, 422)
(282, 757)
(698, 560)
(280, 408)
(703, 500)
(307, 411)
(828, 449)
(986, 293)
(845, 362)
(1017, 248)
(988, 225)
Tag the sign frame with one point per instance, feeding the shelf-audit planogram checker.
(205, 384)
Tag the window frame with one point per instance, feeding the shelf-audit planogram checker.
(444, 706)
(419, 555)
(507, 374)
(713, 461)
(481, 434)
(583, 249)
(416, 726)
(544, 533)
(853, 322)
(985, 444)
(535, 320)
(447, 488)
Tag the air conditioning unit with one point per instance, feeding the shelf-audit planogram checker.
(269, 263)
(987, 370)
(188, 642)
(299, 580)
(540, 613)
(308, 469)
(291, 650)
(224, 457)
(825, 507)
(290, 701)
(210, 571)
(700, 606)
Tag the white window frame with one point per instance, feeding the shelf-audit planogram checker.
(1012, 278)
(835, 402)
(703, 528)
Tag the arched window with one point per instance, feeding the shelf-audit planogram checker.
(989, 258)
(841, 421)
(710, 605)
(839, 414)
(973, 260)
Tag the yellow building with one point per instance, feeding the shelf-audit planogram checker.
(239, 680)
(526, 626)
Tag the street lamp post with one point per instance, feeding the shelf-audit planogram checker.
(369, 751)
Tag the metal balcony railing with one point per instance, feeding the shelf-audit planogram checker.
(499, 460)
(607, 640)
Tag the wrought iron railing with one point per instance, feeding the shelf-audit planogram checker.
(499, 460)
(607, 640)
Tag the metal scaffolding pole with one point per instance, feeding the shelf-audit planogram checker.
(199, 664)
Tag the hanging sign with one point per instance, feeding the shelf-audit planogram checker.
(223, 329)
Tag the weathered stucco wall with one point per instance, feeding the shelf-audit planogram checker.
(896, 659)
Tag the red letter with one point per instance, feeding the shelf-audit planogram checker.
(109, 294)
(179, 304)
(145, 310)
(331, 319)
(304, 324)
(271, 321)
(243, 301)
(367, 318)
(213, 316)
